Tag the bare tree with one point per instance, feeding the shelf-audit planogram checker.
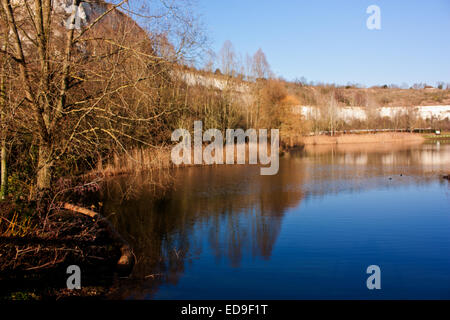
(89, 75)
(332, 114)
(3, 115)
(248, 67)
(260, 66)
(210, 62)
(227, 56)
(7, 110)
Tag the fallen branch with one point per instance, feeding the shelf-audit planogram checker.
(126, 261)
(81, 210)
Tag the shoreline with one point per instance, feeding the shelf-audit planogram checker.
(159, 158)
(364, 138)
(34, 263)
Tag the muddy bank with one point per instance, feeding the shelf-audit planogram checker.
(33, 264)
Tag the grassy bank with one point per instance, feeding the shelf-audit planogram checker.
(364, 138)
(442, 136)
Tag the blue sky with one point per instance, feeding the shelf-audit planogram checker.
(328, 41)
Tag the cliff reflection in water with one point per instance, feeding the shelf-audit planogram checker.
(332, 169)
(233, 213)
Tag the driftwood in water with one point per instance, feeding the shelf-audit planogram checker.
(126, 261)
(81, 210)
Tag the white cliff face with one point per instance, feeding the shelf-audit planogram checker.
(313, 112)
(78, 15)
(194, 79)
(67, 16)
(81, 15)
(360, 113)
(85, 13)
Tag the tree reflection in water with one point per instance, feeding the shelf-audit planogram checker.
(239, 210)
(233, 212)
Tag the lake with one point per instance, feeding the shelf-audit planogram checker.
(309, 232)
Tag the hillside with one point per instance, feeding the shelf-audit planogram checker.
(386, 97)
(346, 96)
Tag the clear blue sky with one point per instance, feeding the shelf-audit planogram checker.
(328, 41)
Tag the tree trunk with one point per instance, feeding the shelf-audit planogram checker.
(4, 180)
(45, 165)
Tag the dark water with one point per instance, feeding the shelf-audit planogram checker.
(309, 232)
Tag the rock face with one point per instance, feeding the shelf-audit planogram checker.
(81, 15)
(66, 15)
(361, 113)
(65, 12)
(85, 13)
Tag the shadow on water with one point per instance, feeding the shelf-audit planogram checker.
(231, 213)
(240, 211)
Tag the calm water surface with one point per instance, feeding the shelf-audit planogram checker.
(310, 232)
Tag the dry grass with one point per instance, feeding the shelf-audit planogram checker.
(137, 160)
(16, 226)
(157, 159)
(152, 159)
(364, 138)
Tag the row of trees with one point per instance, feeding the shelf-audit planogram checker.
(83, 82)
(90, 81)
(269, 105)
(326, 117)
(230, 63)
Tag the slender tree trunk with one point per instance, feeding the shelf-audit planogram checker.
(4, 175)
(3, 178)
